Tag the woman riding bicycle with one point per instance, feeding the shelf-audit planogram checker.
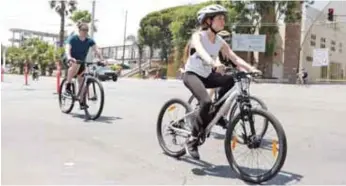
(227, 62)
(199, 73)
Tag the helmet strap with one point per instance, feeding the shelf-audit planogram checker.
(211, 28)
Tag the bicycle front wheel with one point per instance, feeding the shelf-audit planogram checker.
(264, 146)
(94, 92)
(66, 101)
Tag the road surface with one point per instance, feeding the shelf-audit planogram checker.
(41, 145)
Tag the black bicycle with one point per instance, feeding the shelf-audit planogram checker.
(242, 132)
(87, 92)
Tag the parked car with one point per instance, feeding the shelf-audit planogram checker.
(105, 73)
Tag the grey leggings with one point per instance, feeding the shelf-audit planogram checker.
(198, 85)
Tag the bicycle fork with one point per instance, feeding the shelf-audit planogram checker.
(246, 116)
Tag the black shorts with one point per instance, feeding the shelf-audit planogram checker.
(81, 67)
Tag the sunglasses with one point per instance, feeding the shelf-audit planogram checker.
(85, 30)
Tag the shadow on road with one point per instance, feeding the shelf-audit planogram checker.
(101, 119)
(205, 168)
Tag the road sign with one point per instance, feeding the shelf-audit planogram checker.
(248, 42)
(320, 57)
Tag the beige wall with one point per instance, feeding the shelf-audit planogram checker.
(337, 58)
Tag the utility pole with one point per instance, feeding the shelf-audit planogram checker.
(92, 19)
(90, 56)
(123, 60)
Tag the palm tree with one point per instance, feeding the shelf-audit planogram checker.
(63, 8)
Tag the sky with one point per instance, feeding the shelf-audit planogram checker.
(37, 15)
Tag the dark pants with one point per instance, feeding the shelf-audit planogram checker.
(198, 85)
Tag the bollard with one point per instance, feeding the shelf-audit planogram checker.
(26, 74)
(2, 74)
(58, 75)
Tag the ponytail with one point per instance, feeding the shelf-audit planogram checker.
(186, 52)
(187, 49)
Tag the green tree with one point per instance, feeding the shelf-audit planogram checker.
(171, 28)
(150, 35)
(15, 56)
(139, 43)
(39, 51)
(82, 16)
(265, 15)
(63, 8)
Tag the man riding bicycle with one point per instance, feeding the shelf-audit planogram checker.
(199, 74)
(76, 51)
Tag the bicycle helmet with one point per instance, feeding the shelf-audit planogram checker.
(210, 12)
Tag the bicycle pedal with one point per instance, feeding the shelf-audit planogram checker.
(93, 99)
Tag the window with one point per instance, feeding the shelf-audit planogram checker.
(332, 45)
(308, 58)
(313, 37)
(323, 42)
(313, 40)
(312, 43)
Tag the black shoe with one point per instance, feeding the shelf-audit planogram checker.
(83, 106)
(222, 123)
(191, 148)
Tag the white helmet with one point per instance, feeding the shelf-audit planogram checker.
(210, 11)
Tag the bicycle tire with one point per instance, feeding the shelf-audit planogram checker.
(162, 143)
(261, 103)
(93, 81)
(282, 150)
(191, 98)
(72, 97)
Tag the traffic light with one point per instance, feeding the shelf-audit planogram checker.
(330, 14)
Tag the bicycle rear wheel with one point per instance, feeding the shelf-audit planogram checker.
(170, 106)
(90, 94)
(253, 142)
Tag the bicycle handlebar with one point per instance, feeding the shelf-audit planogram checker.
(242, 75)
(98, 63)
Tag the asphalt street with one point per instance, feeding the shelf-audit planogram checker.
(42, 145)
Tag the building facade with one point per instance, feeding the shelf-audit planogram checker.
(325, 34)
(131, 53)
(20, 35)
(296, 43)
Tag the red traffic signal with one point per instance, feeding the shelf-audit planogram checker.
(331, 14)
